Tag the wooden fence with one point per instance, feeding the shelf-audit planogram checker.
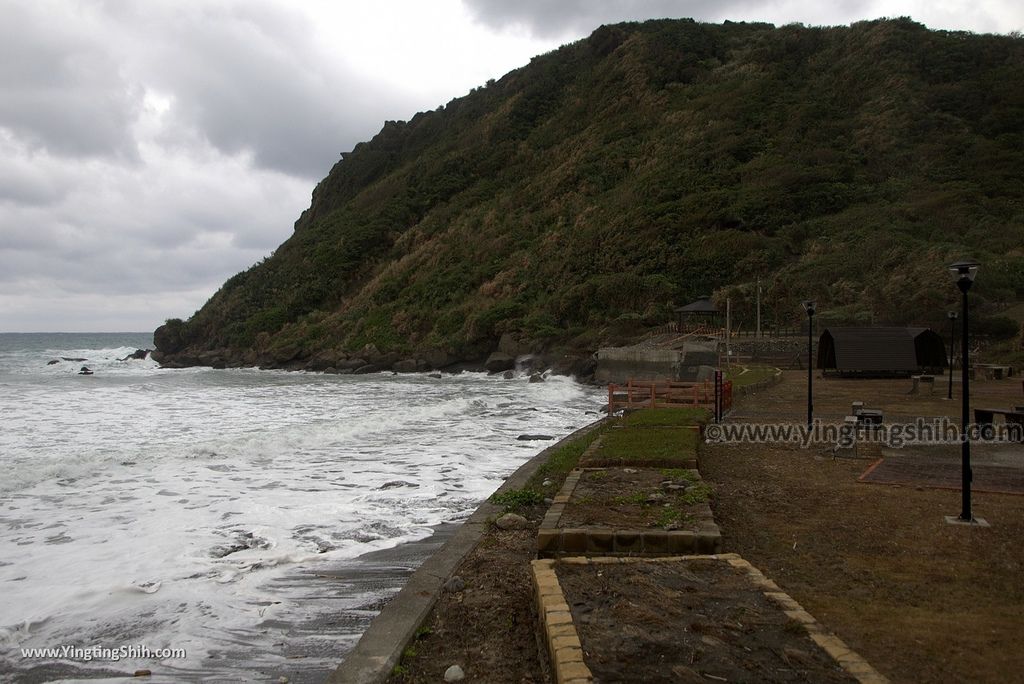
(667, 394)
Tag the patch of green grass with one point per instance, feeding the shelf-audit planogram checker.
(671, 516)
(516, 499)
(678, 474)
(561, 462)
(699, 493)
(753, 374)
(637, 499)
(662, 417)
(631, 444)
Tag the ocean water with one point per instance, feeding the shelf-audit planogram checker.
(143, 507)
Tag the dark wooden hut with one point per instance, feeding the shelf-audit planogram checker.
(880, 351)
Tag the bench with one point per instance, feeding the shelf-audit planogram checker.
(986, 416)
(994, 371)
(922, 380)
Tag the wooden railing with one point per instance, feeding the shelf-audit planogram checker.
(667, 394)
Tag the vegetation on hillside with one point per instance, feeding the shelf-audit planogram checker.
(578, 199)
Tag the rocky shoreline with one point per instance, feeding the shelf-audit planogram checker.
(508, 356)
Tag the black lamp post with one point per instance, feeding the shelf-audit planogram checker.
(952, 343)
(964, 272)
(809, 307)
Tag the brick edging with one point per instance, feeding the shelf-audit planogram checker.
(553, 540)
(556, 624)
(566, 650)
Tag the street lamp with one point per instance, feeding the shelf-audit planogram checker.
(952, 343)
(809, 307)
(964, 272)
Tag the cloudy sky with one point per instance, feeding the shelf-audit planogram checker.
(150, 149)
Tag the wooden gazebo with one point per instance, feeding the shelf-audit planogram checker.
(701, 313)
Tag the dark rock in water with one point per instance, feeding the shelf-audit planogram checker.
(85, 371)
(331, 371)
(137, 355)
(536, 377)
(73, 359)
(368, 368)
(405, 366)
(319, 363)
(533, 438)
(508, 375)
(242, 542)
(397, 483)
(511, 346)
(498, 362)
(436, 358)
(435, 375)
(168, 337)
(50, 363)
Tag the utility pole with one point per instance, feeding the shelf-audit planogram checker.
(758, 307)
(728, 331)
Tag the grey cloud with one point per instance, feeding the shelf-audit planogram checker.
(554, 19)
(548, 19)
(243, 77)
(249, 80)
(61, 92)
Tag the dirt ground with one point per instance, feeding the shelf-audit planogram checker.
(489, 628)
(633, 498)
(696, 621)
(921, 600)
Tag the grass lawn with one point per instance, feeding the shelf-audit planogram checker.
(749, 375)
(662, 417)
(633, 443)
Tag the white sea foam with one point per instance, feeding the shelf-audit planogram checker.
(142, 505)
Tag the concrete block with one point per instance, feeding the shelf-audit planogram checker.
(627, 541)
(560, 642)
(682, 542)
(562, 617)
(709, 543)
(575, 670)
(574, 541)
(569, 655)
(600, 540)
(656, 541)
(549, 542)
(801, 616)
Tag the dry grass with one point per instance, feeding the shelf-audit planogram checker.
(920, 599)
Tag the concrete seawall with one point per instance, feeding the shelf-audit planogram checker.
(380, 648)
(619, 364)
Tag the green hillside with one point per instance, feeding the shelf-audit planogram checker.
(577, 199)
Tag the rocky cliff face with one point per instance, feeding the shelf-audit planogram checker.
(574, 202)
